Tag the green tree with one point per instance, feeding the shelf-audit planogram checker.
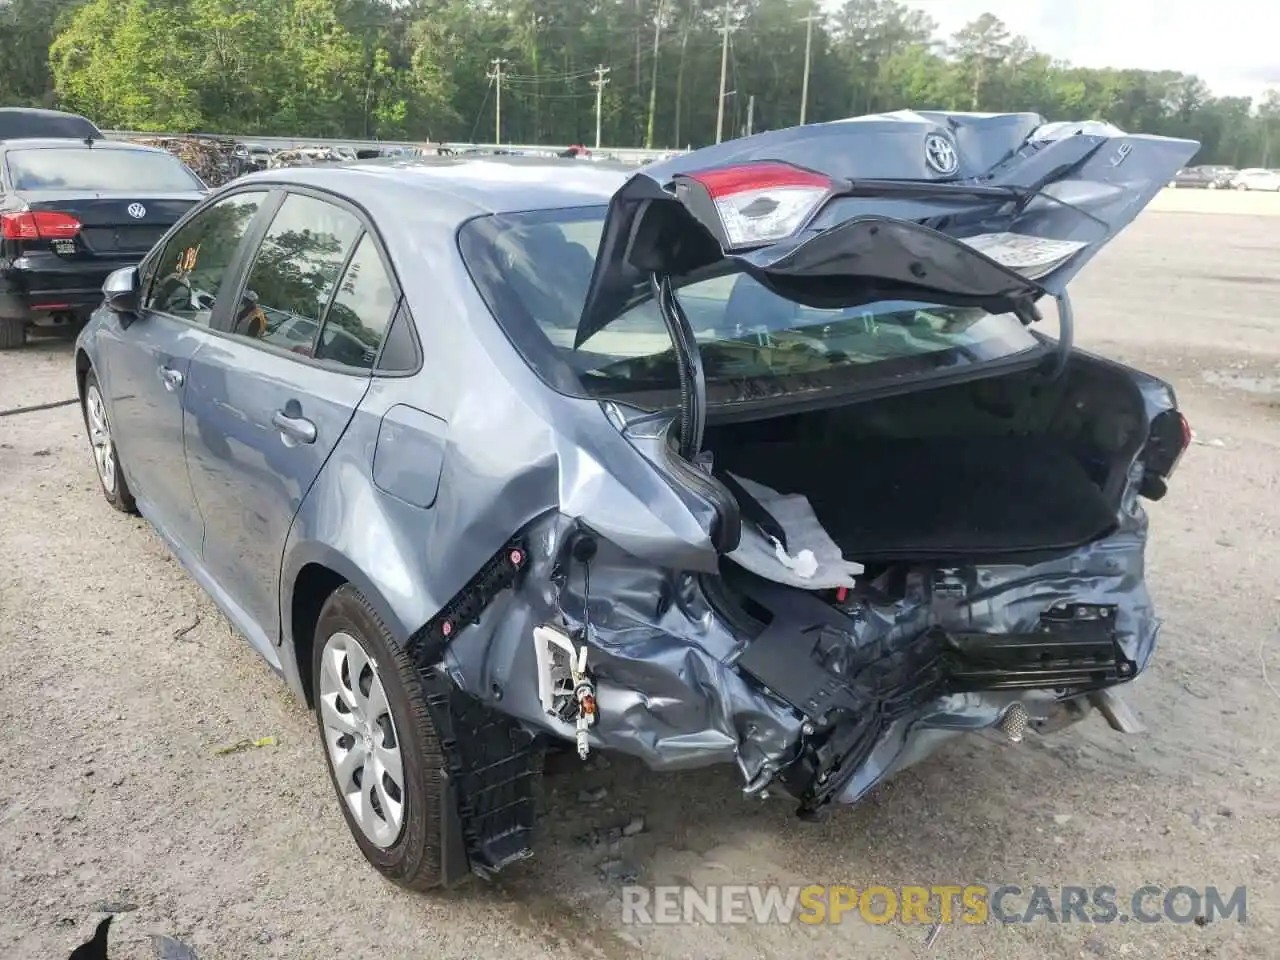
(980, 50)
(27, 27)
(420, 70)
(109, 63)
(867, 36)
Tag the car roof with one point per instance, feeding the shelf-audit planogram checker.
(39, 112)
(16, 120)
(53, 143)
(472, 184)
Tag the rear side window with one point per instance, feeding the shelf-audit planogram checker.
(184, 278)
(361, 310)
(295, 274)
(400, 352)
(91, 169)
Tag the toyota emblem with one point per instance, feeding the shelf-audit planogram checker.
(940, 155)
(137, 211)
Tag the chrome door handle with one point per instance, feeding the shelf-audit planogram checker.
(294, 430)
(172, 378)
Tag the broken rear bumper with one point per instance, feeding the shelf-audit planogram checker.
(821, 701)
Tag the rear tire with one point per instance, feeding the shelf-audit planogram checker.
(13, 334)
(376, 724)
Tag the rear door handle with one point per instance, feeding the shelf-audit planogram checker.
(171, 378)
(294, 430)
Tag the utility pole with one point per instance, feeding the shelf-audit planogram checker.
(808, 50)
(496, 75)
(725, 30)
(751, 113)
(599, 83)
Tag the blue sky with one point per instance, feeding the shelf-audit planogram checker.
(1233, 44)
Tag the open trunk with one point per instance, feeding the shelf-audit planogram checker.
(967, 550)
(982, 471)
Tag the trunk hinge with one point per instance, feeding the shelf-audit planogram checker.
(1029, 313)
(693, 380)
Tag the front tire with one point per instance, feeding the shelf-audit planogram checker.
(96, 424)
(381, 746)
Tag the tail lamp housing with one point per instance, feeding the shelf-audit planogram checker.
(754, 204)
(38, 225)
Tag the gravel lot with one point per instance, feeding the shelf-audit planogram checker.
(119, 682)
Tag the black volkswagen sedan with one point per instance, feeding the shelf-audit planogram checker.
(71, 212)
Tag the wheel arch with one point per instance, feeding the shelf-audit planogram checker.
(312, 576)
(83, 366)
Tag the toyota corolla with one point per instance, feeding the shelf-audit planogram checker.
(777, 454)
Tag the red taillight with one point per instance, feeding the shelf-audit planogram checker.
(38, 225)
(756, 203)
(758, 176)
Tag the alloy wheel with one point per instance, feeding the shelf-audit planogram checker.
(104, 451)
(361, 739)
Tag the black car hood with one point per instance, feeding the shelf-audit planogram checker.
(900, 224)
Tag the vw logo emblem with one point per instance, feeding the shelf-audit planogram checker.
(137, 211)
(940, 155)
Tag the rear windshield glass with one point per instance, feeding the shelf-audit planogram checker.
(16, 124)
(533, 270)
(87, 168)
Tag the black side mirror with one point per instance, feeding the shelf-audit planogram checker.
(120, 291)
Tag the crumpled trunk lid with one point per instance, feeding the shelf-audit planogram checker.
(993, 211)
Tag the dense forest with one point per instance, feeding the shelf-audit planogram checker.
(424, 70)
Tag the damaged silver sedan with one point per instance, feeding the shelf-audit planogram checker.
(759, 456)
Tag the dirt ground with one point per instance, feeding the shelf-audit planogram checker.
(119, 682)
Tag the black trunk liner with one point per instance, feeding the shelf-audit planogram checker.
(934, 498)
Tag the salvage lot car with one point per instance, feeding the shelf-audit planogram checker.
(733, 460)
(1257, 178)
(27, 122)
(1203, 178)
(71, 212)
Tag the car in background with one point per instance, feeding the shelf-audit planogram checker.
(25, 122)
(1257, 178)
(1203, 178)
(73, 211)
(725, 461)
(252, 156)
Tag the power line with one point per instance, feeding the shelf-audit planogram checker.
(528, 96)
(548, 77)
